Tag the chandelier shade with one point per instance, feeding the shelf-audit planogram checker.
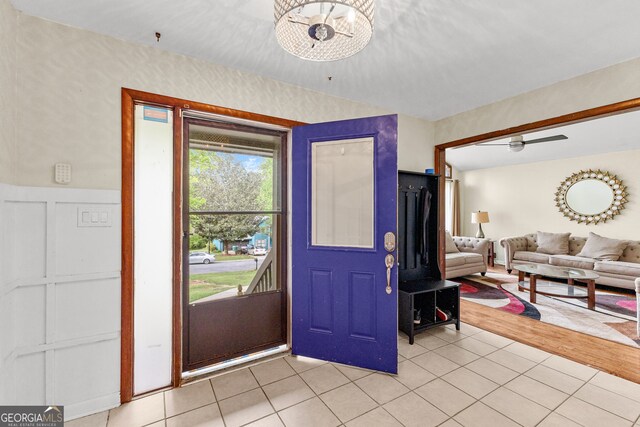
(323, 30)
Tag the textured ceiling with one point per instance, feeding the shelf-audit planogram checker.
(428, 58)
(604, 135)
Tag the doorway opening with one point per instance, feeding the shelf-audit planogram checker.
(139, 215)
(234, 275)
(217, 319)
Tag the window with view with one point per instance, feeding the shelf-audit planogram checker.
(234, 213)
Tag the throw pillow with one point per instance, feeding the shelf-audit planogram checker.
(553, 243)
(451, 247)
(603, 248)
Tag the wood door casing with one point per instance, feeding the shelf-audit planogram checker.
(129, 97)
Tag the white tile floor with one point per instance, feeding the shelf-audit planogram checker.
(447, 378)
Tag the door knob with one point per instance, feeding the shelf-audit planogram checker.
(389, 261)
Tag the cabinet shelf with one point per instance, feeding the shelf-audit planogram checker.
(425, 295)
(428, 325)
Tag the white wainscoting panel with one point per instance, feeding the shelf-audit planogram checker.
(29, 308)
(96, 296)
(26, 229)
(29, 379)
(60, 298)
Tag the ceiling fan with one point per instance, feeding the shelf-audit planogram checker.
(518, 143)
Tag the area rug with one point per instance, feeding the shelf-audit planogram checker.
(614, 317)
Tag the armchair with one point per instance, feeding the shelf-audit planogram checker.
(472, 257)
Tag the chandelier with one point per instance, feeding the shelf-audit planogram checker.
(323, 30)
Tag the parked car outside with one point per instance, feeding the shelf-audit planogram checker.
(245, 249)
(201, 258)
(259, 251)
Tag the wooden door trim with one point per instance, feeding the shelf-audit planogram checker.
(439, 170)
(130, 97)
(126, 284)
(183, 339)
(176, 369)
(579, 116)
(184, 104)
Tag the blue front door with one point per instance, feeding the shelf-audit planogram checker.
(344, 288)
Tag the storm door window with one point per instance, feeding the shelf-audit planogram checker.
(235, 215)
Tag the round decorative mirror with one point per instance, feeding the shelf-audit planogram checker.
(591, 196)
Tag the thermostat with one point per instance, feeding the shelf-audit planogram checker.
(63, 173)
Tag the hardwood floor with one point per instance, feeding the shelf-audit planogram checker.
(617, 359)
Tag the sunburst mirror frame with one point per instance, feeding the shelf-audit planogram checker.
(616, 185)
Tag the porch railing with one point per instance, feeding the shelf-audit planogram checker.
(263, 281)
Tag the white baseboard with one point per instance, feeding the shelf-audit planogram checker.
(89, 407)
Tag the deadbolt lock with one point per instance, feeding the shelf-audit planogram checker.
(390, 241)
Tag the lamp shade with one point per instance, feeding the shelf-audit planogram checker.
(479, 217)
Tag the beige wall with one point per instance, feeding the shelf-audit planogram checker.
(520, 198)
(415, 144)
(69, 84)
(8, 20)
(608, 85)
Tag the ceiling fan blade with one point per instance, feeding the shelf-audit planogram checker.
(546, 139)
(479, 145)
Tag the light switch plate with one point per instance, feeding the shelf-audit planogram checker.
(62, 173)
(95, 216)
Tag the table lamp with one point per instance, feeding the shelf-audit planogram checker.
(479, 218)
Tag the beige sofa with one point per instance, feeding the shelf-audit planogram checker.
(471, 257)
(621, 273)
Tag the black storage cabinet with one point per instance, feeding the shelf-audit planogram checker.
(420, 281)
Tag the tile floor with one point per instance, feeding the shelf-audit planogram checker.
(447, 378)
